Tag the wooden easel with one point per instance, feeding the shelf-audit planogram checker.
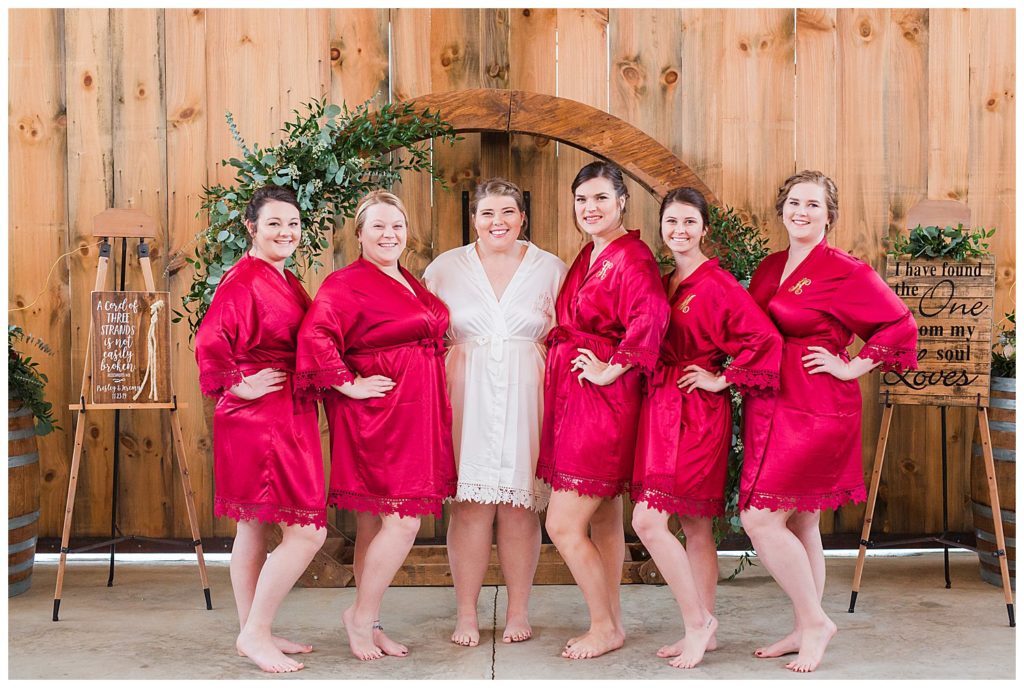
(124, 224)
(938, 213)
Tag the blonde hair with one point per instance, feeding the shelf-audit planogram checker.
(379, 197)
(812, 177)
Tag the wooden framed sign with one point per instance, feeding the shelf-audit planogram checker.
(131, 338)
(952, 303)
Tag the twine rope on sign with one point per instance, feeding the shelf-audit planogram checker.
(154, 314)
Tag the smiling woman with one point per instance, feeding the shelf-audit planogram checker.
(501, 294)
(266, 443)
(371, 346)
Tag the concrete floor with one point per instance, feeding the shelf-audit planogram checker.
(153, 625)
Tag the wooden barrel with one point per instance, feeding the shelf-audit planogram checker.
(1002, 412)
(22, 497)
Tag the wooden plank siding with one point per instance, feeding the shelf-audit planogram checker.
(38, 226)
(188, 118)
(125, 107)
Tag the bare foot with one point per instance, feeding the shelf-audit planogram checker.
(517, 629)
(288, 647)
(787, 646)
(467, 632)
(389, 646)
(695, 643)
(265, 654)
(360, 636)
(618, 627)
(813, 642)
(594, 644)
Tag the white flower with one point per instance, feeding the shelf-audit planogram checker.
(1008, 351)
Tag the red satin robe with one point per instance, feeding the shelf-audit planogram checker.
(617, 309)
(683, 444)
(266, 452)
(391, 454)
(803, 446)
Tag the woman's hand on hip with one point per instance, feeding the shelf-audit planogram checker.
(373, 387)
(698, 378)
(595, 370)
(821, 360)
(259, 384)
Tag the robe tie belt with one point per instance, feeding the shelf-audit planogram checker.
(563, 333)
(434, 345)
(829, 346)
(496, 342)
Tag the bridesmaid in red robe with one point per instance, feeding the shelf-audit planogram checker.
(611, 314)
(686, 418)
(802, 448)
(266, 444)
(372, 345)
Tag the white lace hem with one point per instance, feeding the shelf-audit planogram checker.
(536, 499)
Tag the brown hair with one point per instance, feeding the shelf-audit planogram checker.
(496, 186)
(688, 196)
(264, 195)
(811, 177)
(604, 170)
(379, 197)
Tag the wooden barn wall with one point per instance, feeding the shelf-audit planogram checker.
(125, 108)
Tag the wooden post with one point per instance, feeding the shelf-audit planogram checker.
(76, 454)
(876, 478)
(997, 519)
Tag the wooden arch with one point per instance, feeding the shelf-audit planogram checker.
(581, 126)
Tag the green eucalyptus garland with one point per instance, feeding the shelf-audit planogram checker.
(330, 156)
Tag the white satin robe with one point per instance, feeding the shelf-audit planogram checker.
(495, 371)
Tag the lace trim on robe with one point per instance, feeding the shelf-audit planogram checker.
(642, 359)
(671, 504)
(319, 382)
(777, 502)
(751, 382)
(536, 499)
(403, 506)
(270, 513)
(894, 359)
(215, 384)
(588, 487)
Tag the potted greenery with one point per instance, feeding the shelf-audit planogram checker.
(29, 415)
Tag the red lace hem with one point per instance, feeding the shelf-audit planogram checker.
(403, 506)
(270, 513)
(587, 487)
(319, 382)
(894, 359)
(672, 504)
(215, 384)
(751, 382)
(777, 502)
(642, 359)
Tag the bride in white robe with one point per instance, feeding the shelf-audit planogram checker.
(500, 293)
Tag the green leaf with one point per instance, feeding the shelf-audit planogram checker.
(332, 111)
(268, 160)
(223, 234)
